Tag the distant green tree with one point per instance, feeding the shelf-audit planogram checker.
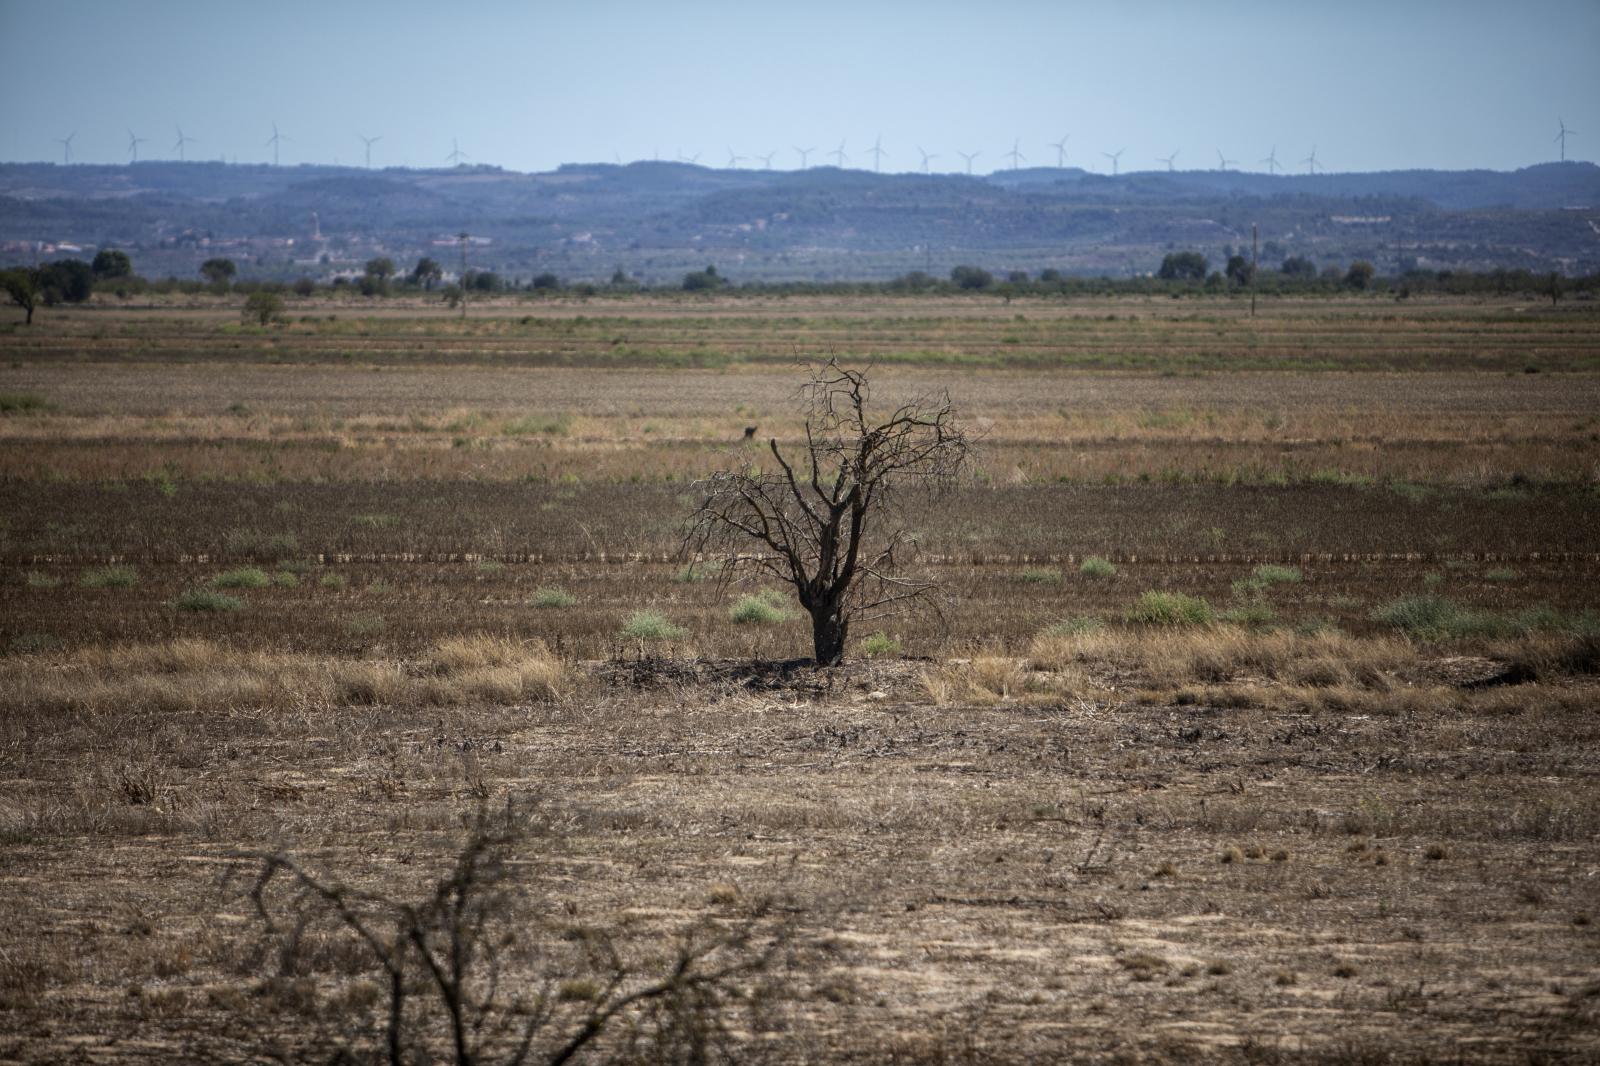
(1239, 270)
(1050, 275)
(426, 273)
(1554, 288)
(111, 263)
(971, 277)
(451, 295)
(66, 281)
(1018, 277)
(483, 281)
(381, 267)
(1360, 274)
(1297, 266)
(218, 272)
(546, 280)
(703, 280)
(304, 286)
(24, 287)
(262, 307)
(1183, 266)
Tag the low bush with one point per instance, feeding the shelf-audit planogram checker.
(1170, 609)
(879, 645)
(651, 625)
(550, 596)
(207, 600)
(763, 608)
(1094, 566)
(1040, 575)
(246, 577)
(1080, 623)
(109, 577)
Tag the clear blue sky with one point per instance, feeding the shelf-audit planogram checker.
(1371, 85)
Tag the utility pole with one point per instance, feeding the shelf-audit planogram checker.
(1253, 270)
(463, 274)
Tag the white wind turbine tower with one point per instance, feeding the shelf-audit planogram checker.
(734, 160)
(766, 160)
(1311, 161)
(839, 156)
(456, 154)
(1562, 137)
(273, 141)
(1114, 156)
(804, 152)
(133, 145)
(1168, 160)
(1015, 155)
(969, 157)
(1061, 150)
(927, 157)
(1223, 162)
(66, 147)
(182, 140)
(367, 143)
(1272, 160)
(877, 153)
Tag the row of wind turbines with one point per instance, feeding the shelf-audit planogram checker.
(840, 157)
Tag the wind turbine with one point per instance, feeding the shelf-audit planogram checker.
(804, 152)
(690, 159)
(66, 147)
(926, 157)
(1168, 160)
(1272, 160)
(1223, 162)
(969, 157)
(456, 154)
(734, 160)
(1015, 155)
(133, 145)
(182, 140)
(1061, 150)
(369, 142)
(839, 156)
(877, 153)
(766, 159)
(273, 140)
(1562, 137)
(1114, 156)
(1311, 161)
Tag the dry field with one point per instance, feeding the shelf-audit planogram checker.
(1260, 721)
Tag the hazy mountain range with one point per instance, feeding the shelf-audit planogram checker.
(656, 220)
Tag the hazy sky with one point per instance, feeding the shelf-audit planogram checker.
(1371, 85)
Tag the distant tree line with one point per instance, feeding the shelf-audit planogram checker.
(1181, 273)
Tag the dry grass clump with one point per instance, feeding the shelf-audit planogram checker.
(199, 675)
(983, 679)
(1167, 658)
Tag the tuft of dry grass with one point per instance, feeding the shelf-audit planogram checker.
(187, 674)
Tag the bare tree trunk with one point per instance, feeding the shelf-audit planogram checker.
(828, 634)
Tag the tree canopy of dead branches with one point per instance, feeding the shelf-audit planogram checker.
(825, 517)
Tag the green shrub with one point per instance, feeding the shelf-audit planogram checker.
(1040, 575)
(286, 579)
(764, 608)
(552, 597)
(547, 425)
(1251, 616)
(1170, 609)
(36, 580)
(1269, 574)
(109, 577)
(1433, 617)
(33, 643)
(1074, 626)
(199, 599)
(333, 581)
(22, 403)
(1094, 566)
(1501, 574)
(364, 625)
(650, 625)
(246, 577)
(879, 645)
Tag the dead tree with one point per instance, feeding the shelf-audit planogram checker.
(825, 519)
